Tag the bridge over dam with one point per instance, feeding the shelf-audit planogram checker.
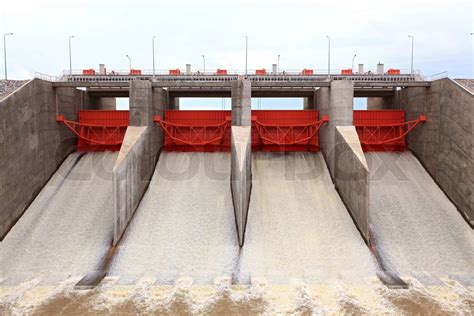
(320, 195)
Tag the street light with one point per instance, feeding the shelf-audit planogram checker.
(353, 58)
(204, 64)
(153, 53)
(129, 61)
(70, 55)
(5, 52)
(246, 53)
(329, 56)
(278, 66)
(412, 46)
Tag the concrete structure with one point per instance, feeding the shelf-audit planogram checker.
(241, 102)
(444, 145)
(241, 176)
(102, 103)
(351, 177)
(337, 103)
(139, 153)
(33, 144)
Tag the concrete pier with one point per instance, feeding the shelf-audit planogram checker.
(139, 152)
(241, 162)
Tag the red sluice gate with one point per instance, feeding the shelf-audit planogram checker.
(98, 130)
(384, 130)
(209, 131)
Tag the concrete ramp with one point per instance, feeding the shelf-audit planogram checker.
(68, 228)
(184, 225)
(417, 230)
(298, 227)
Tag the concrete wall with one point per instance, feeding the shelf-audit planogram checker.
(241, 102)
(33, 144)
(337, 103)
(241, 176)
(351, 176)
(100, 103)
(138, 155)
(444, 145)
(380, 103)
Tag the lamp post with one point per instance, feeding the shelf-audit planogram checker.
(412, 46)
(70, 55)
(353, 58)
(129, 62)
(329, 56)
(153, 53)
(204, 64)
(246, 53)
(5, 52)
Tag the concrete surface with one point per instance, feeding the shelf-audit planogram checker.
(444, 145)
(68, 228)
(379, 103)
(139, 152)
(184, 226)
(241, 102)
(337, 103)
(33, 144)
(298, 227)
(241, 176)
(351, 177)
(417, 230)
(102, 103)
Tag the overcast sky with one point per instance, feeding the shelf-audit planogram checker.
(185, 30)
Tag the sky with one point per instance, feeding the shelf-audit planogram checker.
(106, 31)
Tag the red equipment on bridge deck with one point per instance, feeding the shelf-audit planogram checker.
(383, 130)
(308, 72)
(286, 130)
(191, 131)
(98, 130)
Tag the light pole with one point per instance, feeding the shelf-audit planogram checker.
(278, 65)
(329, 56)
(70, 55)
(412, 46)
(353, 58)
(204, 64)
(5, 52)
(246, 53)
(129, 62)
(153, 53)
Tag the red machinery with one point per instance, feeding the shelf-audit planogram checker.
(307, 72)
(221, 72)
(383, 130)
(260, 72)
(271, 130)
(346, 71)
(196, 130)
(98, 130)
(286, 130)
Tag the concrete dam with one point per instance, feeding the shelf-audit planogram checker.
(322, 210)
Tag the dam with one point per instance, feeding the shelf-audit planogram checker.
(216, 211)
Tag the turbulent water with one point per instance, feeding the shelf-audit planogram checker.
(302, 254)
(298, 226)
(67, 228)
(417, 230)
(185, 224)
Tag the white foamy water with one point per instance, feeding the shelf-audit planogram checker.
(417, 230)
(67, 228)
(184, 225)
(298, 226)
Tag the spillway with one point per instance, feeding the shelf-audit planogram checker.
(298, 227)
(67, 229)
(184, 226)
(416, 229)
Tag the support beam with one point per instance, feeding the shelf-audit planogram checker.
(174, 103)
(241, 102)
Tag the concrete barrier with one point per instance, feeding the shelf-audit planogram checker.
(351, 176)
(444, 145)
(33, 144)
(241, 176)
(132, 172)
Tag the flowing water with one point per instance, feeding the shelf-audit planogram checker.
(418, 231)
(302, 253)
(67, 229)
